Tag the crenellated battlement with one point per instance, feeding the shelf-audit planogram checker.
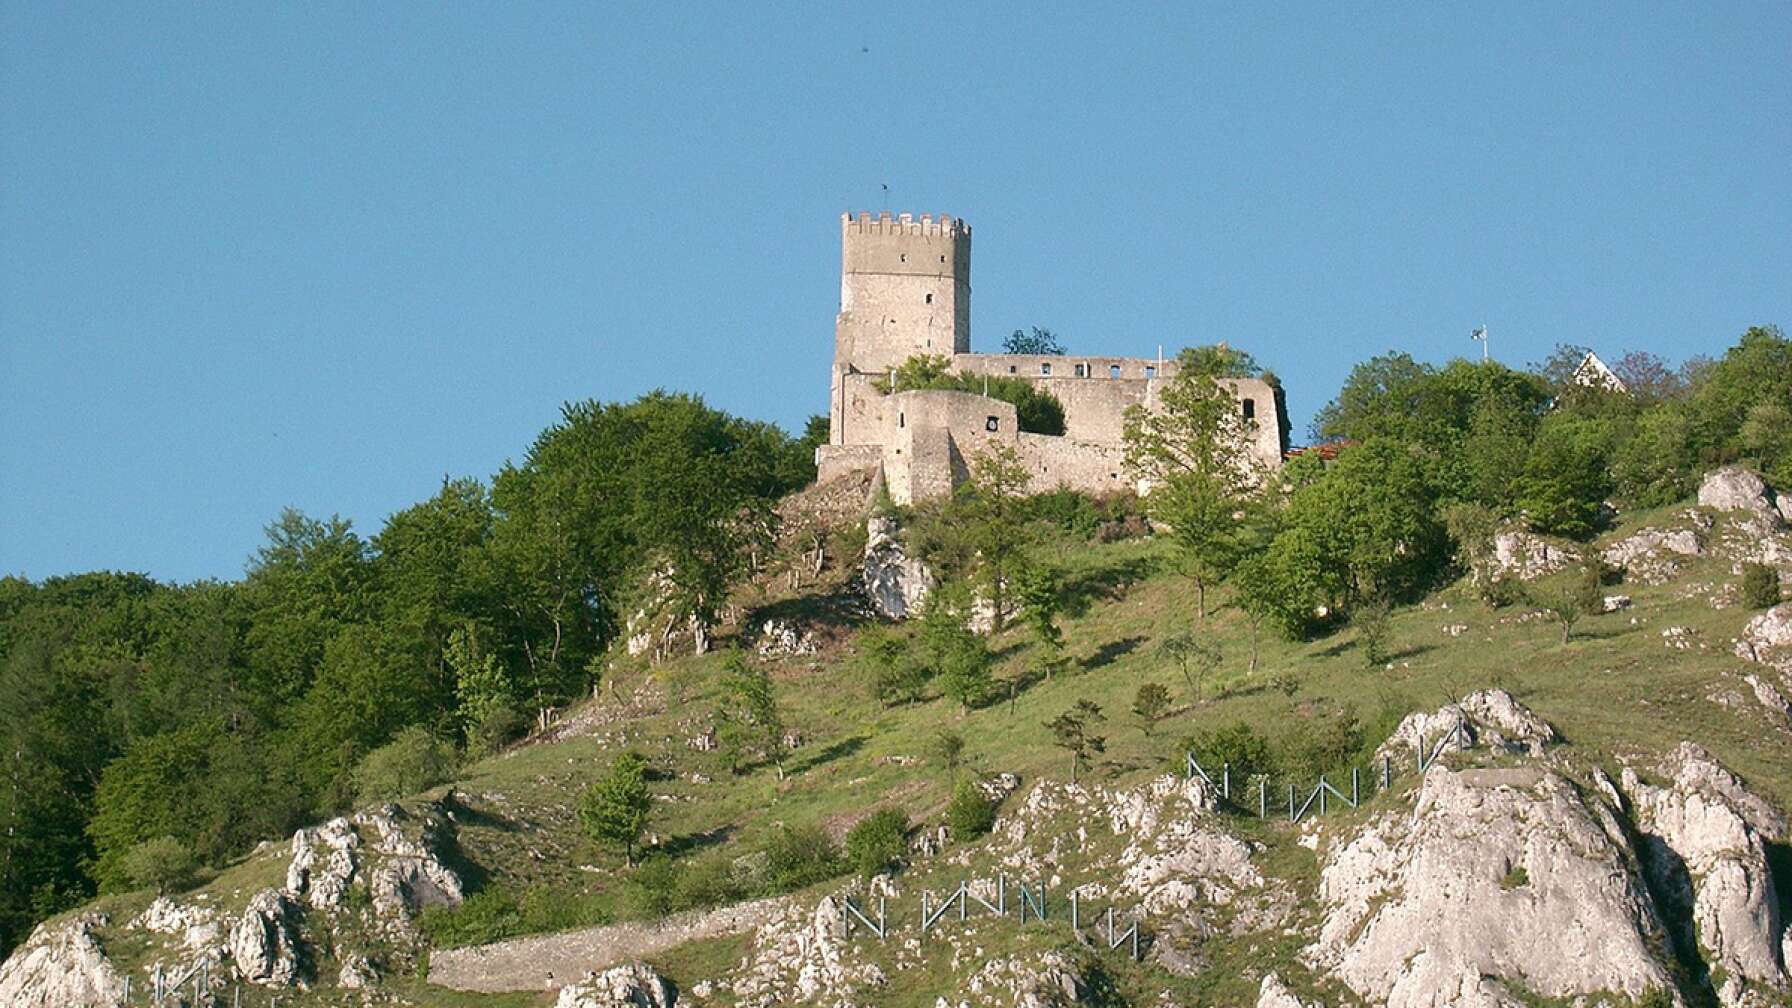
(886, 223)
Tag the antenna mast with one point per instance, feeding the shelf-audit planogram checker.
(1480, 336)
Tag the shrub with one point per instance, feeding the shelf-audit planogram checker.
(876, 844)
(164, 864)
(412, 761)
(1067, 509)
(1760, 586)
(1371, 623)
(1237, 744)
(652, 888)
(1330, 744)
(796, 856)
(1130, 526)
(970, 813)
(485, 916)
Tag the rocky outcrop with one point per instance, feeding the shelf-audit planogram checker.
(894, 583)
(195, 927)
(1491, 717)
(264, 943)
(631, 985)
(1047, 981)
(1496, 878)
(782, 639)
(799, 956)
(1176, 853)
(1734, 488)
(323, 864)
(1525, 555)
(407, 873)
(1704, 842)
(1767, 638)
(61, 966)
(1652, 541)
(1273, 994)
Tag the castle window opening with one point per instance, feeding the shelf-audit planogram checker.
(1045, 369)
(1250, 409)
(901, 419)
(991, 424)
(1011, 369)
(930, 299)
(1113, 370)
(1082, 370)
(902, 258)
(1150, 372)
(942, 258)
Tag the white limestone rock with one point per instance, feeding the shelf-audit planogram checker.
(1176, 851)
(196, 926)
(1651, 541)
(1734, 488)
(1496, 877)
(1490, 717)
(894, 583)
(1525, 555)
(356, 972)
(1274, 994)
(1767, 638)
(61, 966)
(264, 943)
(323, 864)
(1704, 834)
(631, 985)
(783, 639)
(407, 873)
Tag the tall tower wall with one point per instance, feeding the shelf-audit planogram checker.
(905, 289)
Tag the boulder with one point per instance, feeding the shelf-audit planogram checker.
(61, 966)
(1734, 488)
(631, 985)
(1704, 837)
(1497, 880)
(894, 583)
(356, 972)
(1176, 851)
(264, 943)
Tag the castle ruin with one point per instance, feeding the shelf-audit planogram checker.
(905, 290)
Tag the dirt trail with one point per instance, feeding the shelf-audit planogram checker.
(544, 962)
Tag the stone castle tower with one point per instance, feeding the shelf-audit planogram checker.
(905, 289)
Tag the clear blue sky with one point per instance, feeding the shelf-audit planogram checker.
(320, 255)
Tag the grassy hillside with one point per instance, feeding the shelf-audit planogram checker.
(1618, 689)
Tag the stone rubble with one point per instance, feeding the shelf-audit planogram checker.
(631, 985)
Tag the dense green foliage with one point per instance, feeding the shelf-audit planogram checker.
(1760, 586)
(217, 715)
(877, 843)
